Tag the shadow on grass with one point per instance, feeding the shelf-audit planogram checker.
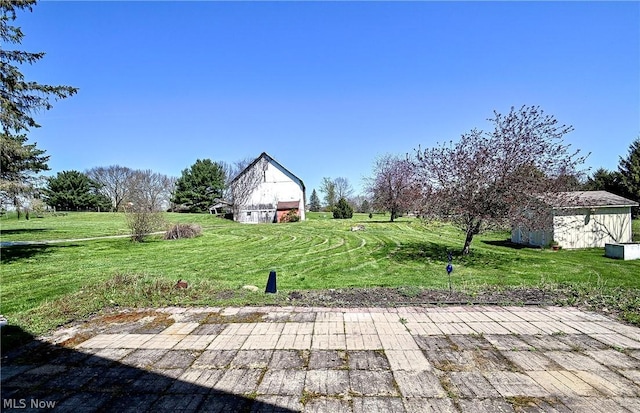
(436, 252)
(60, 377)
(508, 244)
(420, 251)
(22, 231)
(9, 254)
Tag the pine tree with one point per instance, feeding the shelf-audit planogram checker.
(342, 210)
(604, 180)
(629, 170)
(19, 99)
(73, 190)
(314, 202)
(200, 186)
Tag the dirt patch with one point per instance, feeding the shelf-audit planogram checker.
(76, 339)
(155, 324)
(383, 297)
(226, 295)
(618, 303)
(139, 322)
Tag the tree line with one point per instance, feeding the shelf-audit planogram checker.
(483, 180)
(119, 188)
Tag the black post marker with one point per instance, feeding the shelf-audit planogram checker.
(271, 283)
(449, 271)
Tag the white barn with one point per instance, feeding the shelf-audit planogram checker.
(581, 219)
(265, 191)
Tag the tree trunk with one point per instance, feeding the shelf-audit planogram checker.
(393, 214)
(473, 228)
(467, 243)
(16, 205)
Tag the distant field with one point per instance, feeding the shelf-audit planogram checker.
(320, 253)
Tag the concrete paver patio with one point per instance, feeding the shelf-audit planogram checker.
(409, 359)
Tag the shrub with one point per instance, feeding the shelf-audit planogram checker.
(290, 216)
(142, 223)
(178, 231)
(342, 210)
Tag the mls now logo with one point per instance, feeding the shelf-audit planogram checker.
(31, 403)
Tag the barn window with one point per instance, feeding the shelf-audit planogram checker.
(264, 176)
(248, 213)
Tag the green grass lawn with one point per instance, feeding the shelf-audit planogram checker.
(45, 285)
(80, 225)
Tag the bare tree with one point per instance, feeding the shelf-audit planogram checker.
(114, 182)
(492, 178)
(328, 188)
(241, 165)
(245, 182)
(148, 195)
(335, 189)
(360, 203)
(393, 185)
(150, 190)
(343, 188)
(231, 171)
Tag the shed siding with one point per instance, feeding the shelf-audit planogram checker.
(592, 227)
(538, 238)
(581, 228)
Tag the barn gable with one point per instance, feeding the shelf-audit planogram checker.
(264, 186)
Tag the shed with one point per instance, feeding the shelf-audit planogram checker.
(265, 191)
(579, 219)
(220, 207)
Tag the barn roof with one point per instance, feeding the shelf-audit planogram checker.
(270, 159)
(589, 199)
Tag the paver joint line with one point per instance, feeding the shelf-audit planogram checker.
(481, 358)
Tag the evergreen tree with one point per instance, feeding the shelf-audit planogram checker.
(19, 99)
(314, 202)
(72, 191)
(200, 186)
(604, 180)
(629, 170)
(342, 210)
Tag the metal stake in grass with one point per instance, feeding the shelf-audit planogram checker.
(449, 271)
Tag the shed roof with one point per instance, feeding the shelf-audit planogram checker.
(284, 205)
(221, 204)
(589, 199)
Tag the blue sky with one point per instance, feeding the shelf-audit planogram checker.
(324, 87)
